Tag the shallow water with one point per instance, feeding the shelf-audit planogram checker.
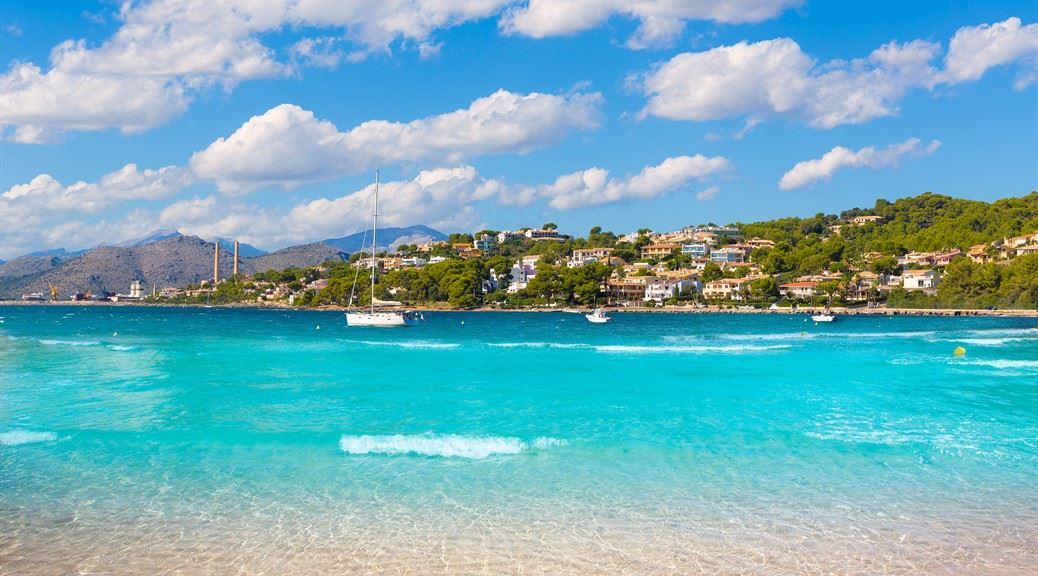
(211, 441)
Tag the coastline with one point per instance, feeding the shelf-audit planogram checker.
(840, 311)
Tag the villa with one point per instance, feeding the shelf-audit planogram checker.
(726, 289)
(919, 279)
(802, 290)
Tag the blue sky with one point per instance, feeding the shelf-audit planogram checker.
(264, 120)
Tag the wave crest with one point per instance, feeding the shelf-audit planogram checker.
(16, 437)
(444, 446)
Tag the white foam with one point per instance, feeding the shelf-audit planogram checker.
(119, 348)
(444, 446)
(768, 337)
(421, 345)
(564, 345)
(1033, 332)
(730, 349)
(1001, 363)
(47, 342)
(988, 342)
(16, 437)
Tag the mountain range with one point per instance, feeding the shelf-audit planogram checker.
(167, 258)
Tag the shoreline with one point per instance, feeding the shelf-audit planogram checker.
(839, 311)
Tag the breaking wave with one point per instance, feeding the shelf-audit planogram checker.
(48, 342)
(419, 345)
(1002, 364)
(16, 437)
(444, 446)
(730, 349)
(565, 345)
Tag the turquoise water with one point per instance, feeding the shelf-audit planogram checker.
(151, 440)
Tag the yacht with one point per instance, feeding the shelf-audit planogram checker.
(598, 317)
(374, 317)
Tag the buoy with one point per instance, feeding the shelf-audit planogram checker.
(318, 327)
(115, 333)
(960, 351)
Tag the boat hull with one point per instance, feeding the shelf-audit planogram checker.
(824, 318)
(382, 319)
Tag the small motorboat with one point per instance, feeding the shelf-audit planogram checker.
(598, 317)
(826, 316)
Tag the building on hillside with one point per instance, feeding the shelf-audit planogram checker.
(598, 254)
(759, 243)
(979, 254)
(413, 262)
(727, 254)
(520, 276)
(530, 259)
(506, 236)
(1027, 250)
(696, 249)
(658, 250)
(663, 289)
(863, 220)
(485, 243)
(919, 279)
(942, 259)
(470, 253)
(437, 259)
(726, 289)
(630, 289)
(803, 290)
(543, 234)
(430, 246)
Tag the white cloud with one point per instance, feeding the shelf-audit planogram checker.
(166, 51)
(776, 78)
(708, 194)
(659, 22)
(975, 49)
(593, 186)
(40, 105)
(808, 172)
(440, 197)
(46, 195)
(288, 145)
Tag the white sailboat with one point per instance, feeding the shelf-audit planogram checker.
(379, 318)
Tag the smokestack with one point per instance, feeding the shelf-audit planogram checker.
(216, 262)
(235, 258)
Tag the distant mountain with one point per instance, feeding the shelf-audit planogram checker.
(296, 257)
(52, 253)
(388, 238)
(155, 236)
(244, 250)
(175, 261)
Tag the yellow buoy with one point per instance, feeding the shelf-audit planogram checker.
(960, 351)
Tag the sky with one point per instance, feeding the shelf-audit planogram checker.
(265, 120)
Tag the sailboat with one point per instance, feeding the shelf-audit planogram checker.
(379, 318)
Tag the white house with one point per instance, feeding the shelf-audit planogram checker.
(521, 274)
(919, 279)
(666, 289)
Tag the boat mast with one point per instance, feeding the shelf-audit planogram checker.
(374, 244)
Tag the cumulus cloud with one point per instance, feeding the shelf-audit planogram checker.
(659, 22)
(776, 78)
(808, 172)
(708, 194)
(166, 51)
(44, 192)
(593, 186)
(440, 197)
(974, 50)
(288, 145)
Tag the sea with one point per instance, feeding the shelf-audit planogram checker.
(151, 440)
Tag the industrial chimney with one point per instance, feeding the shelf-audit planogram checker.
(216, 262)
(235, 258)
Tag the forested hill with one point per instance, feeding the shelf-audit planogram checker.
(925, 222)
